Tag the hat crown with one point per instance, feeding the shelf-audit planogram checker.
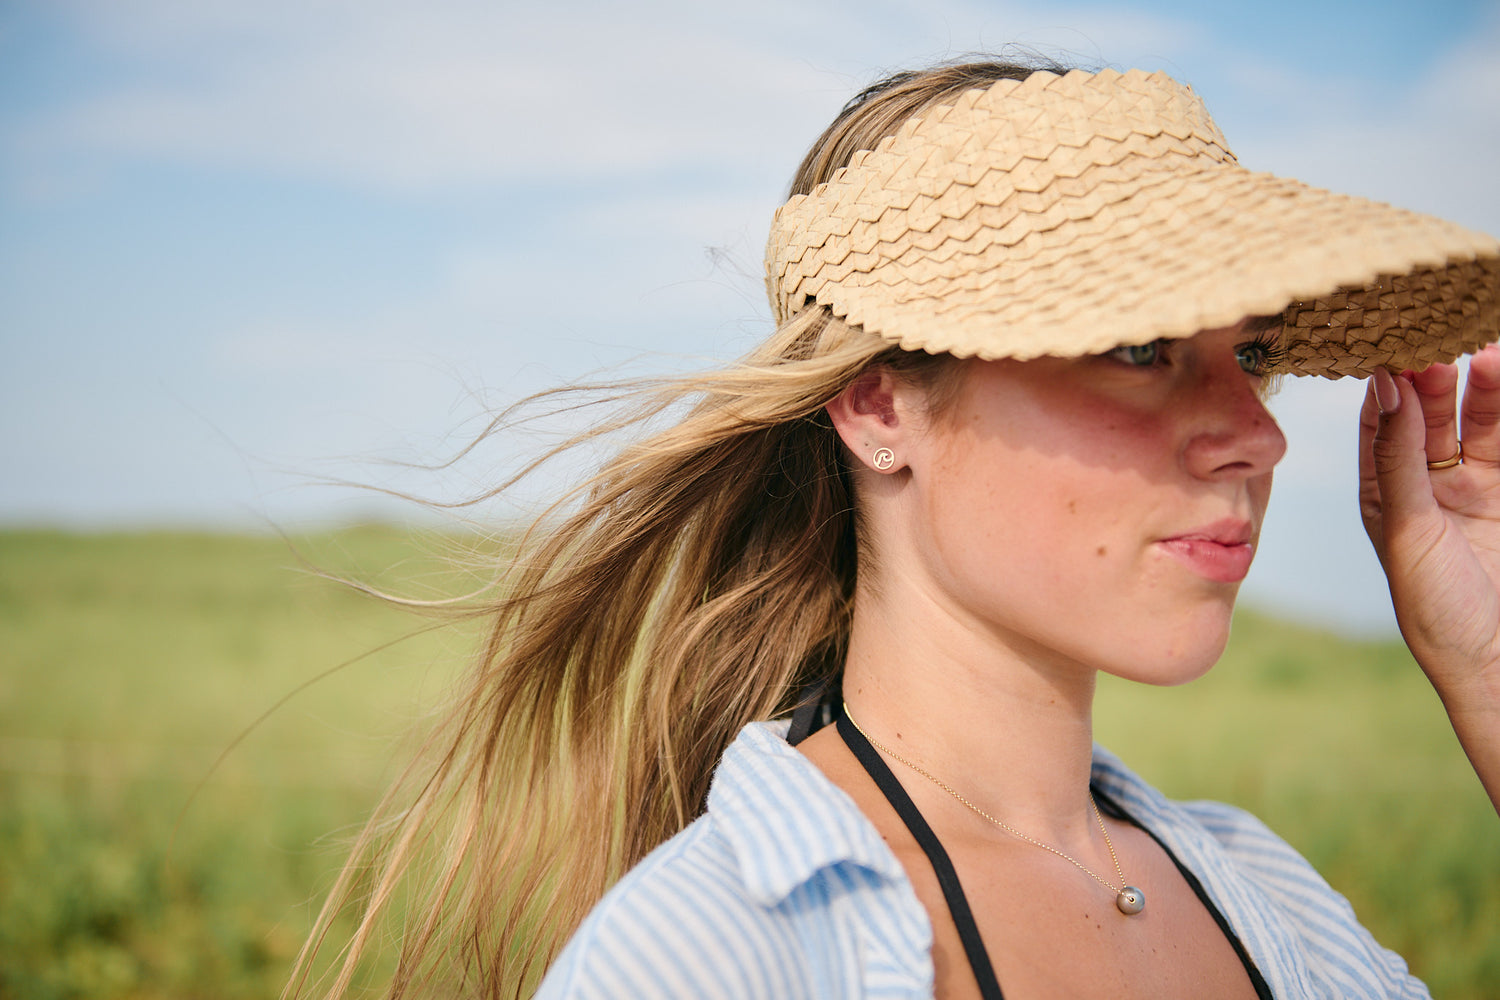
(1002, 147)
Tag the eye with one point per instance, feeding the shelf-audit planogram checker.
(1139, 355)
(1261, 356)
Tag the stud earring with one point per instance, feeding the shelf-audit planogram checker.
(883, 459)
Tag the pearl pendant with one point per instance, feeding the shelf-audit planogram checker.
(1130, 901)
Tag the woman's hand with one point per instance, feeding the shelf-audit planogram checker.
(1437, 534)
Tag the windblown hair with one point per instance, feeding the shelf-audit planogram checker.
(704, 578)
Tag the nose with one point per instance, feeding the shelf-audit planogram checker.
(1235, 436)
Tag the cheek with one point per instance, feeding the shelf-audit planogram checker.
(1031, 525)
(1036, 514)
(1038, 421)
(1059, 475)
(1049, 508)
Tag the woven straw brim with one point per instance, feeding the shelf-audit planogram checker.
(1070, 215)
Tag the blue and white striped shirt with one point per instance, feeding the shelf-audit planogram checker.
(784, 889)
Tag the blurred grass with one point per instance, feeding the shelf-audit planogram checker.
(129, 662)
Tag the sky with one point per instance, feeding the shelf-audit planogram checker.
(249, 248)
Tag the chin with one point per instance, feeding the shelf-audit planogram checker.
(1185, 672)
(1184, 655)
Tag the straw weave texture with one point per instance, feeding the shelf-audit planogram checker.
(1068, 215)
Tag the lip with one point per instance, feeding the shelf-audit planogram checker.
(1220, 552)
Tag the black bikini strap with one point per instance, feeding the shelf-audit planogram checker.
(953, 892)
(812, 713)
(1112, 808)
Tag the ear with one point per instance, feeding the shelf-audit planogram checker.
(869, 417)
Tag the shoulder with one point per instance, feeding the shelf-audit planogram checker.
(775, 891)
(677, 925)
(1301, 933)
(1340, 953)
(1214, 836)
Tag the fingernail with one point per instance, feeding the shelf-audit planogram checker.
(1386, 396)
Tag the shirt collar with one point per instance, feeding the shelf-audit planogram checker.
(785, 820)
(1226, 878)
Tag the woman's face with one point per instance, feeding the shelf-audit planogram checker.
(1101, 509)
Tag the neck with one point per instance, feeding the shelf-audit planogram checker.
(1006, 723)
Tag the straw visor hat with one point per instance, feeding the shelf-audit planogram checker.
(1069, 215)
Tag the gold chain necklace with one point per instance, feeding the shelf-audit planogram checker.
(1128, 899)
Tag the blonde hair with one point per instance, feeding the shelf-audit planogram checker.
(704, 580)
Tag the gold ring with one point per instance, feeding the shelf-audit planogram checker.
(1448, 463)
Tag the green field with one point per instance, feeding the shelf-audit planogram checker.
(132, 867)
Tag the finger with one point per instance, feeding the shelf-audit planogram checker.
(1369, 488)
(1397, 454)
(1481, 409)
(1437, 389)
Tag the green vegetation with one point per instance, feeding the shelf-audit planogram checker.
(128, 663)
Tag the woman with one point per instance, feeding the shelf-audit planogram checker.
(1009, 434)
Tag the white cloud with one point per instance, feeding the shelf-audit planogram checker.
(397, 95)
(401, 95)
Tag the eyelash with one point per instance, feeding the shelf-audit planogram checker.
(1272, 354)
(1265, 346)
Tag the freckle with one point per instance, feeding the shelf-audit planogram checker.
(1072, 506)
(1103, 551)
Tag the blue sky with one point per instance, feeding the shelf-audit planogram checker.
(244, 246)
